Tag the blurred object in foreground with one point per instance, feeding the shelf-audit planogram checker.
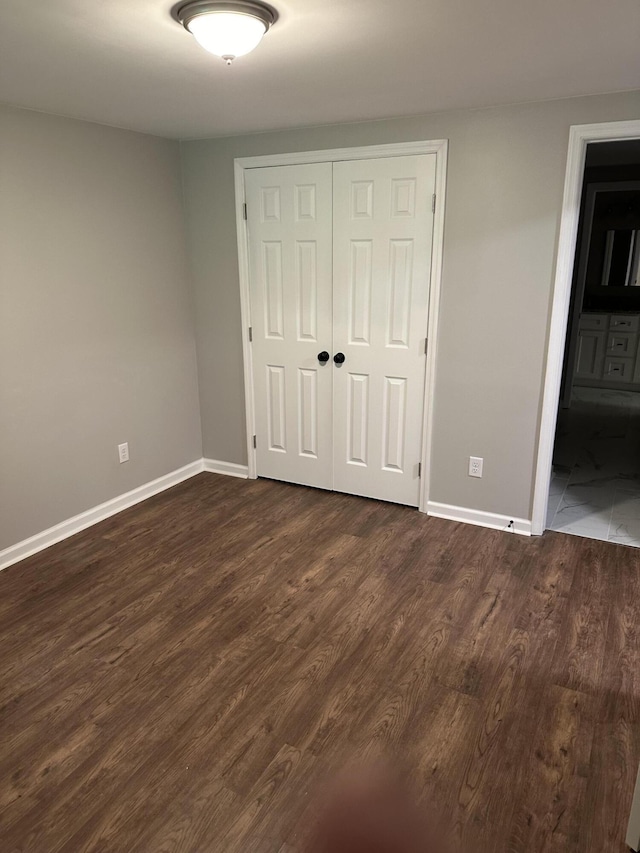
(371, 809)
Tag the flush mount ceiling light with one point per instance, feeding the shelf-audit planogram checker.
(226, 29)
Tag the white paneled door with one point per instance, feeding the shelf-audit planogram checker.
(339, 265)
(289, 213)
(382, 235)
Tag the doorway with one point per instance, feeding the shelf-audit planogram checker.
(588, 472)
(340, 257)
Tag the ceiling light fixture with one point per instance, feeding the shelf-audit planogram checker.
(226, 29)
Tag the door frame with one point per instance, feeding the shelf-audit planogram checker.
(439, 147)
(580, 135)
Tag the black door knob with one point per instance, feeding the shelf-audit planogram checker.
(323, 356)
(338, 357)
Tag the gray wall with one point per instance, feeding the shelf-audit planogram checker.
(96, 325)
(504, 191)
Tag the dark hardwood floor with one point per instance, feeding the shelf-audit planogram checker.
(181, 676)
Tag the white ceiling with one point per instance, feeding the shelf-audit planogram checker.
(128, 63)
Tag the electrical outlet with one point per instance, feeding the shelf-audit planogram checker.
(123, 452)
(475, 466)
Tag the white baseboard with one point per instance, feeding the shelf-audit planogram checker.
(482, 519)
(232, 469)
(67, 528)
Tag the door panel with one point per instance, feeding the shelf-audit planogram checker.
(289, 211)
(382, 238)
(357, 419)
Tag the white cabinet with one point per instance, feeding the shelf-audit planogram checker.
(594, 321)
(622, 344)
(618, 369)
(590, 355)
(607, 352)
(623, 322)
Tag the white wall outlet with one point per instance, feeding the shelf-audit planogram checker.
(475, 466)
(123, 452)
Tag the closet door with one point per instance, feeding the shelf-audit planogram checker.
(289, 213)
(382, 238)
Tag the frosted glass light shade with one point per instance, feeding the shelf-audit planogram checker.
(227, 34)
(227, 28)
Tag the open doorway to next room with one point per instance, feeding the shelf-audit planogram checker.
(595, 485)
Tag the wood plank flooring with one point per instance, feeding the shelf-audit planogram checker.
(182, 676)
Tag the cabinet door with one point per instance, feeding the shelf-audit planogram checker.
(590, 356)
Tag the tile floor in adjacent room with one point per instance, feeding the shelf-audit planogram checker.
(595, 488)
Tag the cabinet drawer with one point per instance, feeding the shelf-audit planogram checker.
(594, 321)
(625, 322)
(618, 369)
(622, 344)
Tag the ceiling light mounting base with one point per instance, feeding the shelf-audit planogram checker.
(186, 13)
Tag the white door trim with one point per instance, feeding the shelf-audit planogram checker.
(580, 136)
(439, 148)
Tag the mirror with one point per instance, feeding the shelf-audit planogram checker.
(621, 258)
(613, 253)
